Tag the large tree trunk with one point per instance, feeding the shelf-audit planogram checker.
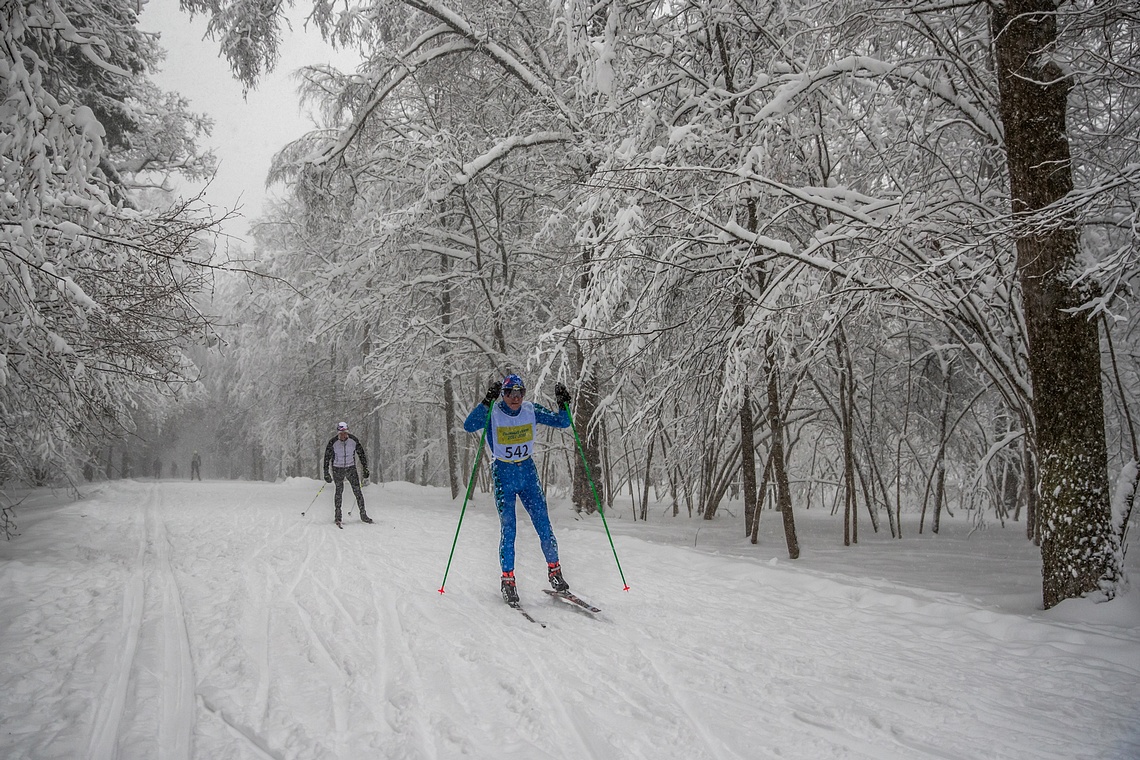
(748, 462)
(747, 427)
(1064, 351)
(779, 468)
(847, 423)
(449, 424)
(449, 421)
(585, 403)
(648, 474)
(411, 448)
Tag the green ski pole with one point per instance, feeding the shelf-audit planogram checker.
(470, 487)
(597, 500)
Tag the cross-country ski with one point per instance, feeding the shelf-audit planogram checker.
(518, 606)
(572, 600)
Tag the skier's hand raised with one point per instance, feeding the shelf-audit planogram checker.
(561, 395)
(493, 391)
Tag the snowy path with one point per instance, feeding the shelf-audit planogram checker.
(210, 620)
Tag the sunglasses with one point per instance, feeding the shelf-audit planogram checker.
(514, 393)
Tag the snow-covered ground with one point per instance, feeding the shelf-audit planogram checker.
(211, 620)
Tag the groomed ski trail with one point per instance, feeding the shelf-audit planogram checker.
(279, 636)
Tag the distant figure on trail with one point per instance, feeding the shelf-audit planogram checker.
(196, 465)
(157, 468)
(511, 440)
(342, 451)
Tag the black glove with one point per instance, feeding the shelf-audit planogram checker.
(366, 473)
(561, 395)
(328, 478)
(493, 391)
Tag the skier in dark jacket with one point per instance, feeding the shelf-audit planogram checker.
(511, 441)
(342, 451)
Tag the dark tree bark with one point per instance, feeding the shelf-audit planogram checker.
(779, 467)
(748, 461)
(1074, 517)
(585, 404)
(847, 423)
(412, 446)
(761, 494)
(449, 421)
(644, 511)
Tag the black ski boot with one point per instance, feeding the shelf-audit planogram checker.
(336, 519)
(510, 592)
(364, 517)
(557, 582)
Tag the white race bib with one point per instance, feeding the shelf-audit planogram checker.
(512, 438)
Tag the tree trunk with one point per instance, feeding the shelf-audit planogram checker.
(779, 467)
(645, 485)
(449, 424)
(1063, 350)
(761, 496)
(604, 476)
(376, 469)
(410, 451)
(748, 461)
(850, 502)
(586, 402)
(847, 423)
(449, 421)
(869, 487)
(939, 497)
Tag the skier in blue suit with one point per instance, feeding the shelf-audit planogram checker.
(511, 442)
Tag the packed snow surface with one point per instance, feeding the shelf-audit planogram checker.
(169, 619)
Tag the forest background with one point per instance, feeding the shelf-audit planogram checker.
(834, 255)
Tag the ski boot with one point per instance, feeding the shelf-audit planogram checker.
(364, 517)
(509, 591)
(557, 582)
(337, 518)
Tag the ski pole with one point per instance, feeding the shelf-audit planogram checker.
(597, 500)
(470, 487)
(314, 501)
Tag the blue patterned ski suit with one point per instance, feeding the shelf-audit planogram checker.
(518, 479)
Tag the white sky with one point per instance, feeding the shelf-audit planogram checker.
(249, 130)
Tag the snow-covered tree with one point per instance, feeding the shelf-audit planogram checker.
(721, 193)
(97, 293)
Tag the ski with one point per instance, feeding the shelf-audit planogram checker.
(525, 614)
(569, 598)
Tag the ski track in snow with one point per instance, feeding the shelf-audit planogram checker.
(151, 684)
(109, 707)
(210, 621)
